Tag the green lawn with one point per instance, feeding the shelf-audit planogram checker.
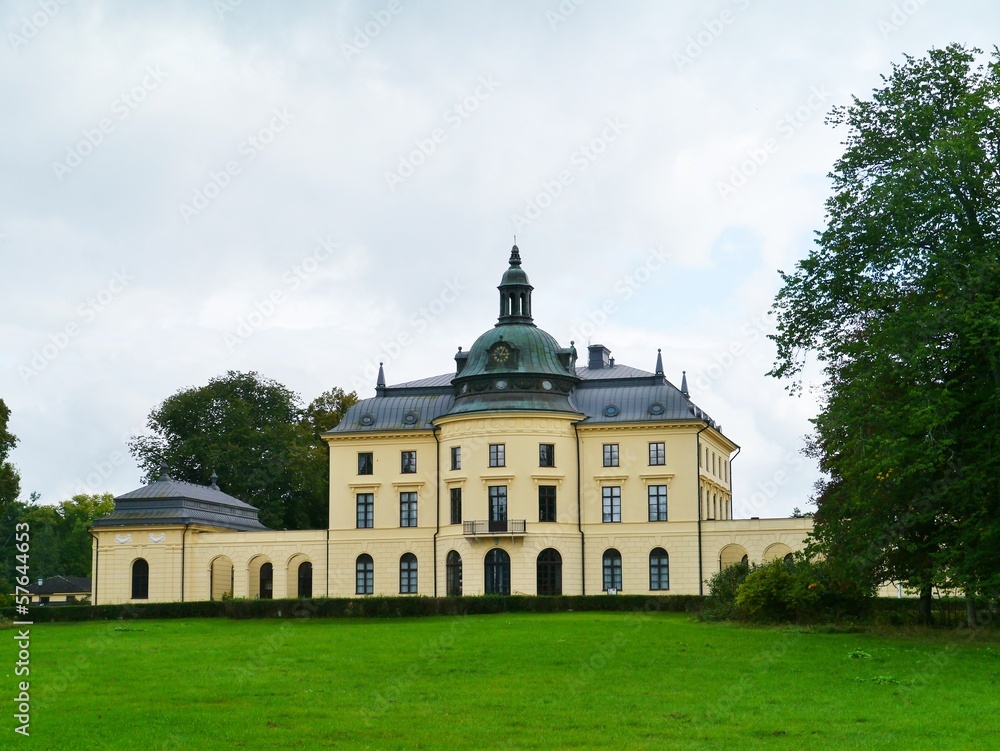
(526, 681)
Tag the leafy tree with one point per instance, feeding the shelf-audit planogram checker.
(75, 542)
(10, 481)
(255, 434)
(900, 302)
(60, 542)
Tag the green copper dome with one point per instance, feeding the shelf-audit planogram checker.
(515, 365)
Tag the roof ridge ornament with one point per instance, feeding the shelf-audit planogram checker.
(380, 381)
(659, 362)
(164, 472)
(684, 383)
(215, 480)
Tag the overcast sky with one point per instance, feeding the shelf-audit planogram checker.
(305, 189)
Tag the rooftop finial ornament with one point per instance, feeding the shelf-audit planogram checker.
(659, 363)
(164, 472)
(515, 255)
(215, 480)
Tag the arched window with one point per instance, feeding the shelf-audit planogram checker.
(305, 579)
(612, 570)
(549, 569)
(140, 579)
(365, 570)
(408, 574)
(659, 569)
(497, 572)
(266, 581)
(789, 560)
(453, 570)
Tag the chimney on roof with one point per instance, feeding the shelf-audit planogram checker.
(600, 357)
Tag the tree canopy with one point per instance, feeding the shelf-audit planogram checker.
(10, 481)
(255, 434)
(900, 302)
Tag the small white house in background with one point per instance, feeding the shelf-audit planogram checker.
(61, 590)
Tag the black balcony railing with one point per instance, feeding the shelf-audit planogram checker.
(489, 527)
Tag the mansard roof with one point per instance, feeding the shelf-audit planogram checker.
(633, 395)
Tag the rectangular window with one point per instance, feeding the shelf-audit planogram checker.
(456, 505)
(546, 455)
(657, 454)
(408, 462)
(546, 503)
(610, 454)
(456, 457)
(612, 502)
(497, 458)
(657, 503)
(366, 510)
(407, 509)
(366, 463)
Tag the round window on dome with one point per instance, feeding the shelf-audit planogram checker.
(367, 420)
(656, 408)
(410, 418)
(501, 384)
(611, 411)
(547, 385)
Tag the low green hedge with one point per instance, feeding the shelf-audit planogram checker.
(360, 607)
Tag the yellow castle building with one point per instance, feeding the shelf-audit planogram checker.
(521, 471)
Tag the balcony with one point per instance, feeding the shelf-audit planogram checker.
(512, 527)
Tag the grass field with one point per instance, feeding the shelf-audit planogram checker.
(526, 681)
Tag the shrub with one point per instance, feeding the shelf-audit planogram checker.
(802, 590)
(773, 593)
(722, 588)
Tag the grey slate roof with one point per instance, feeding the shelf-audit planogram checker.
(179, 489)
(169, 501)
(636, 394)
(58, 585)
(604, 374)
(438, 381)
(407, 412)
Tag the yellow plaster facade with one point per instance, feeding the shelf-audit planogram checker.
(521, 472)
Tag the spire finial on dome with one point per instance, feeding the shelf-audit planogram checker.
(215, 480)
(515, 254)
(164, 472)
(659, 362)
(380, 381)
(684, 383)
